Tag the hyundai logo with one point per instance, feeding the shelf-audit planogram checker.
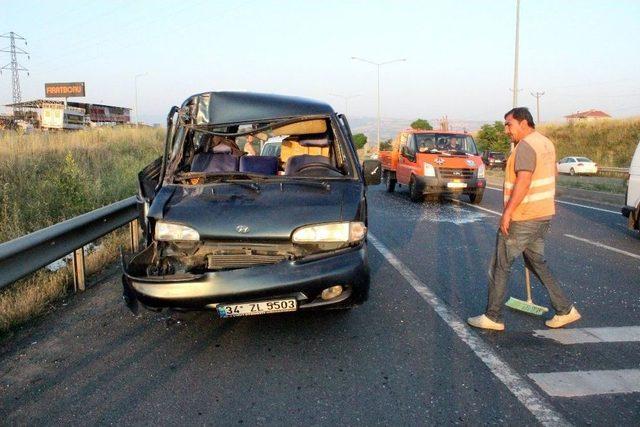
(242, 229)
(457, 173)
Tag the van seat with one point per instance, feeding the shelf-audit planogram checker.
(214, 162)
(295, 163)
(266, 165)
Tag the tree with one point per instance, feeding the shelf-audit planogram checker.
(360, 140)
(493, 138)
(421, 124)
(386, 145)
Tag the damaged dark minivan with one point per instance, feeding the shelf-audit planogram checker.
(244, 234)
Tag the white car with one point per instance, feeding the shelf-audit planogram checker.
(577, 166)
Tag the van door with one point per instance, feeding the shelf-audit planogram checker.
(407, 159)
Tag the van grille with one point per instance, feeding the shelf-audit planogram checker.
(242, 260)
(451, 173)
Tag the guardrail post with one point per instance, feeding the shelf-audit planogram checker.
(134, 235)
(78, 270)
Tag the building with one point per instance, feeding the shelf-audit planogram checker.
(52, 114)
(588, 116)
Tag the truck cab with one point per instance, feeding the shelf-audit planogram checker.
(434, 164)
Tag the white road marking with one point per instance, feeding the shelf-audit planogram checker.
(591, 335)
(600, 245)
(588, 383)
(517, 385)
(589, 207)
(572, 204)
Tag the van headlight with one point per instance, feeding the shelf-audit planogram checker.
(336, 232)
(167, 231)
(481, 171)
(429, 170)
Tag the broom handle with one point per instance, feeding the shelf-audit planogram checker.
(527, 280)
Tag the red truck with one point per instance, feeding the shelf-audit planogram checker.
(434, 163)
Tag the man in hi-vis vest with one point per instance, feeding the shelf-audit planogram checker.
(529, 190)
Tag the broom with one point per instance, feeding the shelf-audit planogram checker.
(527, 306)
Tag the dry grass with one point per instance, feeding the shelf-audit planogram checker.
(46, 178)
(608, 142)
(35, 295)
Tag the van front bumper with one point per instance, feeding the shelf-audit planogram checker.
(436, 185)
(303, 279)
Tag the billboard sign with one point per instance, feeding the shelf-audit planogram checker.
(64, 90)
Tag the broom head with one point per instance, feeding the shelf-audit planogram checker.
(527, 307)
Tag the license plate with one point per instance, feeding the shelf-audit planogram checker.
(497, 161)
(255, 308)
(457, 184)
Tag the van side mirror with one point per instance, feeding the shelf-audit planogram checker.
(372, 171)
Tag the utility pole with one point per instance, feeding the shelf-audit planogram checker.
(15, 68)
(515, 66)
(346, 99)
(537, 95)
(135, 84)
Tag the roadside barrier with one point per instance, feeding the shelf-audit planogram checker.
(26, 254)
(613, 172)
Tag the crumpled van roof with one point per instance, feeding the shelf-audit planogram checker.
(220, 108)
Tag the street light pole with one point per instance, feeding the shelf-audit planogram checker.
(135, 83)
(378, 65)
(515, 66)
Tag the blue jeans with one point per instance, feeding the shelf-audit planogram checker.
(527, 238)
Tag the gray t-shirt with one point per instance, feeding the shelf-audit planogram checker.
(525, 157)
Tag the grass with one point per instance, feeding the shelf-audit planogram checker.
(46, 178)
(37, 293)
(592, 183)
(606, 142)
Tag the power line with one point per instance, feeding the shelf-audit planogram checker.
(15, 68)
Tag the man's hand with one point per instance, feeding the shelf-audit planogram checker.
(505, 221)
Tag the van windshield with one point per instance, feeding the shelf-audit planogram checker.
(446, 142)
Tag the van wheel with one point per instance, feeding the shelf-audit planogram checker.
(476, 197)
(414, 195)
(572, 172)
(390, 183)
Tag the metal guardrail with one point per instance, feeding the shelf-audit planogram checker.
(613, 172)
(26, 254)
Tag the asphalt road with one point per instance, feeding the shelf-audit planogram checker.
(404, 357)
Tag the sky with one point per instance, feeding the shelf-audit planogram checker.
(459, 54)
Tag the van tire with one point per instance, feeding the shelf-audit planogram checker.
(476, 197)
(572, 172)
(389, 181)
(414, 195)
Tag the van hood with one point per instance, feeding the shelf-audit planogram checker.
(232, 211)
(450, 161)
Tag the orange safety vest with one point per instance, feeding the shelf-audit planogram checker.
(539, 201)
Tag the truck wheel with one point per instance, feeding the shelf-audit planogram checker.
(572, 172)
(390, 183)
(476, 197)
(414, 194)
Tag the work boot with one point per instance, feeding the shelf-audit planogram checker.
(484, 322)
(560, 320)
